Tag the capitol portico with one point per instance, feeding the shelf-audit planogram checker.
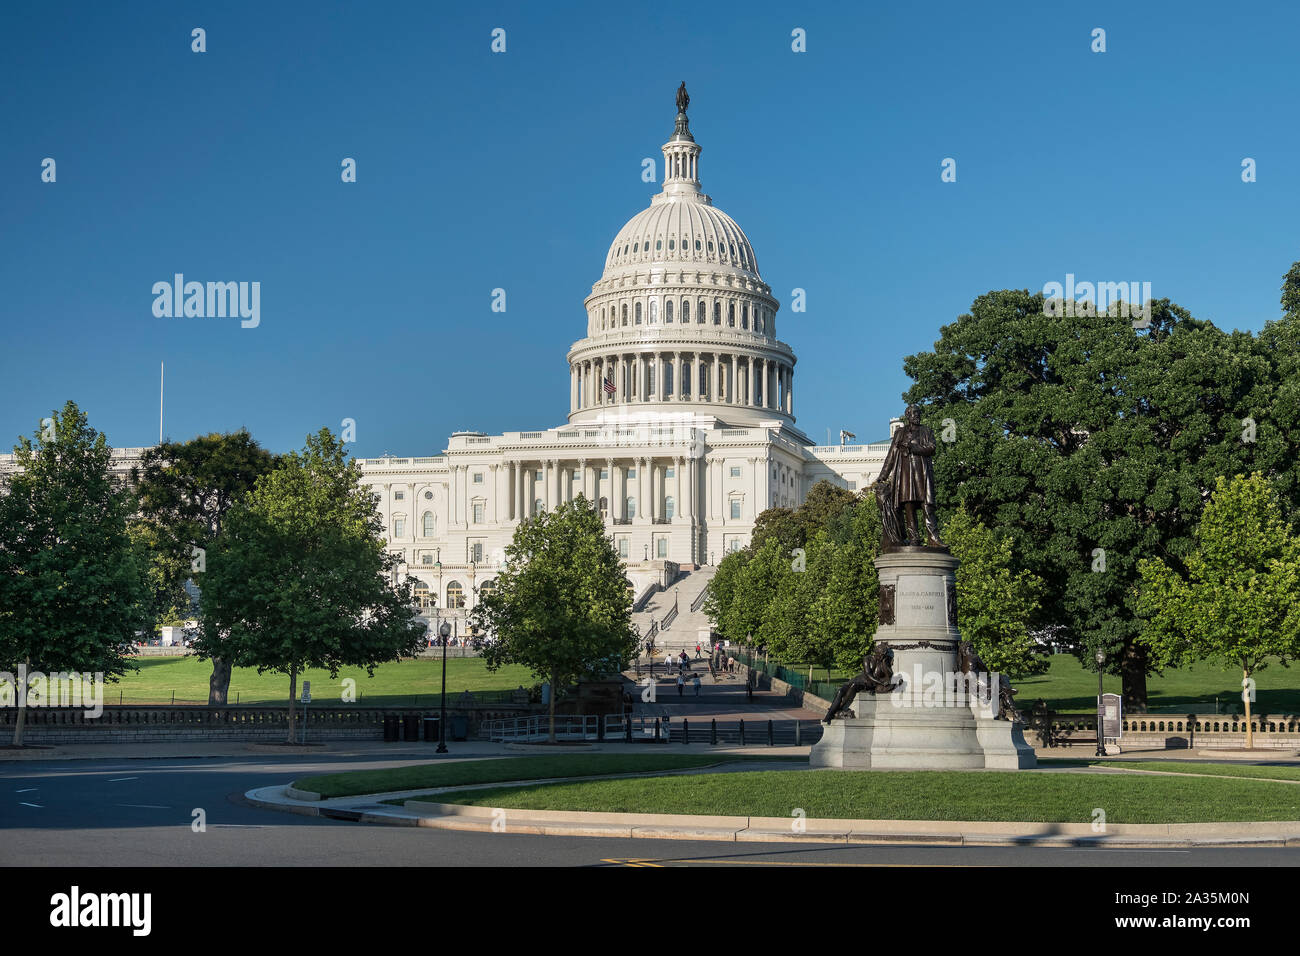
(681, 422)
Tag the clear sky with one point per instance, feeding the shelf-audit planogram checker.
(479, 170)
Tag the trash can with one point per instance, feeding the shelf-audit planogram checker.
(431, 730)
(391, 730)
(460, 728)
(411, 727)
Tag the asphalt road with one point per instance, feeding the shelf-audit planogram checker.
(79, 813)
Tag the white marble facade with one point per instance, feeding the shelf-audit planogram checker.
(681, 420)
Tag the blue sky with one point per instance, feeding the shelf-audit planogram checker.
(479, 170)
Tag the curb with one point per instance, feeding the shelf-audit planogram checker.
(743, 829)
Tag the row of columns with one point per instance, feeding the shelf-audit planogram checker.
(563, 481)
(642, 377)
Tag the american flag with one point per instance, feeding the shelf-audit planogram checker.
(609, 386)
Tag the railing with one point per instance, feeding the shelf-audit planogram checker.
(700, 599)
(538, 727)
(651, 590)
(651, 633)
(668, 619)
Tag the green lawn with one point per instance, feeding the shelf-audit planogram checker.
(902, 795)
(410, 682)
(1254, 771)
(1068, 688)
(504, 768)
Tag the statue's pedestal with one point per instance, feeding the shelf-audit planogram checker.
(934, 720)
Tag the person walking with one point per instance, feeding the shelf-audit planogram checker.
(749, 686)
(695, 681)
(668, 663)
(681, 685)
(698, 655)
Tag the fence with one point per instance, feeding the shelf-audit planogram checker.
(136, 723)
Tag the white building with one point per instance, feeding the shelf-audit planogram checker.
(681, 420)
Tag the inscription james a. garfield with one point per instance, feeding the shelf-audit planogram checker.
(921, 600)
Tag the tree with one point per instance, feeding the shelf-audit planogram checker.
(1091, 445)
(72, 589)
(995, 603)
(1291, 292)
(185, 490)
(562, 606)
(1237, 599)
(300, 577)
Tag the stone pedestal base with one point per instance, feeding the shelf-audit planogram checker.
(887, 737)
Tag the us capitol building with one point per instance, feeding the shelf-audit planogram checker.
(681, 422)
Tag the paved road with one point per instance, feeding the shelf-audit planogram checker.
(139, 813)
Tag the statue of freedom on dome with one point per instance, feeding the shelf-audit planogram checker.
(683, 98)
(907, 480)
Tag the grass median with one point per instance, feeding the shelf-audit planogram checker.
(913, 795)
(496, 770)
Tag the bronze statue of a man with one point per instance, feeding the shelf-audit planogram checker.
(877, 677)
(683, 98)
(907, 480)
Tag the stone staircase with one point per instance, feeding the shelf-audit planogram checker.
(684, 629)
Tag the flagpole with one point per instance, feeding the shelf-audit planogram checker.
(160, 401)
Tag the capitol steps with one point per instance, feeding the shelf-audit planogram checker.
(684, 629)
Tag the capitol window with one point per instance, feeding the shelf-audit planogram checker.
(686, 310)
(735, 508)
(659, 244)
(636, 246)
(654, 311)
(478, 512)
(399, 527)
(700, 312)
(710, 247)
(638, 313)
(631, 507)
(669, 506)
(744, 316)
(735, 471)
(671, 245)
(731, 314)
(697, 245)
(625, 313)
(455, 595)
(429, 525)
(399, 495)
(717, 312)
(668, 311)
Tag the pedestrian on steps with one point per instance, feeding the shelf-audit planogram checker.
(696, 682)
(681, 685)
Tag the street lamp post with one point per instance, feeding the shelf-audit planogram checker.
(1101, 746)
(444, 632)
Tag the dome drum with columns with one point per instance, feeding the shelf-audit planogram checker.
(681, 423)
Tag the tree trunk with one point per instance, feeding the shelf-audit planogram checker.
(21, 690)
(1245, 699)
(552, 735)
(219, 682)
(1133, 678)
(293, 692)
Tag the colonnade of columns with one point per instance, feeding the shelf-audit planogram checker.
(682, 376)
(636, 489)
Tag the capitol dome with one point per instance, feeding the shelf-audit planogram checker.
(681, 319)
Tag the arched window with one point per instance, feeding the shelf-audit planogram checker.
(686, 310)
(650, 371)
(668, 379)
(731, 314)
(668, 311)
(700, 312)
(625, 313)
(486, 588)
(744, 316)
(759, 321)
(697, 245)
(670, 507)
(631, 506)
(539, 506)
(654, 311)
(717, 312)
(423, 596)
(672, 244)
(638, 312)
(428, 525)
(710, 247)
(455, 595)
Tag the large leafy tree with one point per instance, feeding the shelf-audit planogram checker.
(562, 606)
(72, 587)
(300, 577)
(995, 602)
(1236, 600)
(185, 490)
(1091, 445)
